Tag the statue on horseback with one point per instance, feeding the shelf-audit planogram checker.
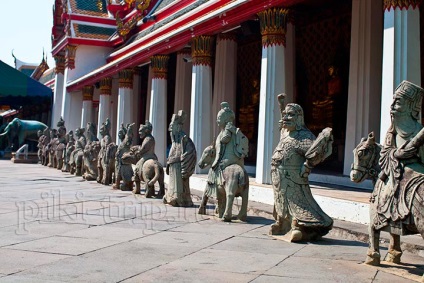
(397, 200)
(227, 177)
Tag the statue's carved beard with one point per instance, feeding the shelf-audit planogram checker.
(404, 124)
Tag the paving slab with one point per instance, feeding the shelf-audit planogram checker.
(13, 261)
(230, 261)
(64, 245)
(111, 264)
(167, 273)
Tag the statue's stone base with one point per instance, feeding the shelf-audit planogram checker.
(286, 237)
(32, 158)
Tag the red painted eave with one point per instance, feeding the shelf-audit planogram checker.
(214, 25)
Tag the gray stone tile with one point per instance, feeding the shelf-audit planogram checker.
(148, 226)
(216, 226)
(34, 230)
(331, 248)
(383, 277)
(13, 261)
(23, 279)
(182, 239)
(107, 232)
(111, 264)
(229, 261)
(182, 274)
(260, 232)
(325, 270)
(255, 245)
(273, 279)
(64, 245)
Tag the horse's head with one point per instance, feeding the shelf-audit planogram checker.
(365, 160)
(208, 156)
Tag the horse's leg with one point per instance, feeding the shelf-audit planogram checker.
(230, 189)
(244, 200)
(373, 253)
(203, 203)
(395, 252)
(161, 192)
(221, 201)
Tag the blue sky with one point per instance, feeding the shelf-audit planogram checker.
(25, 28)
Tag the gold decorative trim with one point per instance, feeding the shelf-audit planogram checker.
(124, 28)
(70, 52)
(159, 64)
(126, 78)
(60, 64)
(87, 93)
(202, 48)
(106, 86)
(401, 4)
(273, 24)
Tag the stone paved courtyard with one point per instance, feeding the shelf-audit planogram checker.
(55, 227)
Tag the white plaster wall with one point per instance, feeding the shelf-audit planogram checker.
(87, 59)
(75, 113)
(57, 100)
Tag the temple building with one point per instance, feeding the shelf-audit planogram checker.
(137, 60)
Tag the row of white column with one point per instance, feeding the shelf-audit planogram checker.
(371, 84)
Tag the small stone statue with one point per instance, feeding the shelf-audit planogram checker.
(180, 164)
(123, 170)
(44, 147)
(106, 159)
(75, 161)
(41, 137)
(296, 154)
(91, 153)
(70, 146)
(147, 167)
(396, 202)
(60, 144)
(51, 148)
(227, 177)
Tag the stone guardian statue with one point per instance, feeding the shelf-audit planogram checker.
(298, 151)
(180, 164)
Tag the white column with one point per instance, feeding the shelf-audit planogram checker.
(158, 105)
(104, 102)
(125, 94)
(183, 85)
(87, 105)
(273, 82)
(201, 95)
(225, 79)
(66, 102)
(58, 89)
(363, 112)
(149, 92)
(401, 53)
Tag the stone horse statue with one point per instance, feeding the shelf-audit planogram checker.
(106, 160)
(366, 166)
(236, 184)
(91, 153)
(76, 159)
(70, 146)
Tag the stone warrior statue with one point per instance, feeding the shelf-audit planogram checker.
(227, 177)
(70, 146)
(296, 154)
(75, 161)
(106, 159)
(180, 164)
(123, 170)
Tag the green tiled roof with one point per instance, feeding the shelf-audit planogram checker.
(91, 5)
(94, 32)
